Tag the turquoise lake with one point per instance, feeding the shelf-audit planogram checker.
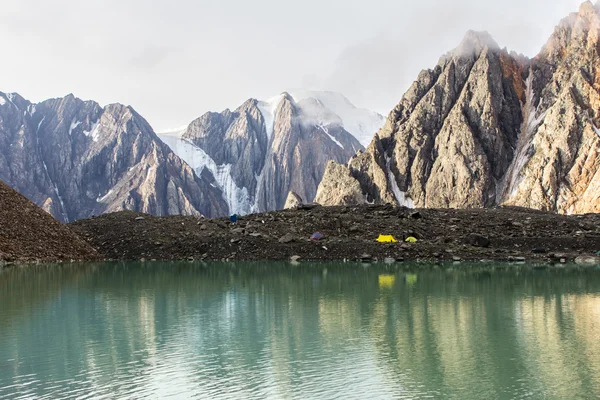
(307, 331)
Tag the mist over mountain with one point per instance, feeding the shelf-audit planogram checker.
(486, 127)
(265, 149)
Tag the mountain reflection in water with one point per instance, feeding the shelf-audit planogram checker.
(252, 330)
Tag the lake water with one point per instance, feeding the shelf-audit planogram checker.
(329, 331)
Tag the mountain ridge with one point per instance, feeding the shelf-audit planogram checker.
(75, 159)
(487, 127)
(262, 150)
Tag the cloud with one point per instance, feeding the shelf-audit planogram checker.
(375, 72)
(173, 60)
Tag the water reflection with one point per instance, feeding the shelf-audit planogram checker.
(308, 331)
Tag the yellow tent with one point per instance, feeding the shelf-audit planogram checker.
(386, 239)
(386, 281)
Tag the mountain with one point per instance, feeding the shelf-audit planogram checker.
(361, 123)
(263, 150)
(75, 159)
(486, 127)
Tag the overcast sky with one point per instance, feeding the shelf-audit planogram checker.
(173, 60)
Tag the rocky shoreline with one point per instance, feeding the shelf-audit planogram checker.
(350, 233)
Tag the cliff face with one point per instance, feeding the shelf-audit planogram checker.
(559, 166)
(486, 127)
(76, 159)
(263, 150)
(306, 136)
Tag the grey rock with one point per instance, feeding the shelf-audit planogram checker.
(338, 187)
(588, 260)
(288, 238)
(293, 201)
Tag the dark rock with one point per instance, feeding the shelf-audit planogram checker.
(366, 258)
(308, 207)
(416, 215)
(477, 240)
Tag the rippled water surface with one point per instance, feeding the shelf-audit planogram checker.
(256, 331)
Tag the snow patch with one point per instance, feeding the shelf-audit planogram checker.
(238, 199)
(401, 196)
(268, 109)
(2, 101)
(255, 209)
(326, 130)
(10, 97)
(74, 125)
(60, 200)
(513, 176)
(40, 125)
(93, 132)
(103, 198)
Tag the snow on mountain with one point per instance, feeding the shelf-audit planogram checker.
(361, 123)
(237, 198)
(268, 109)
(238, 147)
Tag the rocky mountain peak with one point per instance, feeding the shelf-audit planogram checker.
(488, 127)
(589, 10)
(265, 149)
(13, 99)
(577, 32)
(474, 42)
(75, 159)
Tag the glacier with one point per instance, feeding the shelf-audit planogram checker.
(238, 199)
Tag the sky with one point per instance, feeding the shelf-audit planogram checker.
(173, 60)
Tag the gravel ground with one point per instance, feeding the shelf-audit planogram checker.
(29, 234)
(508, 234)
